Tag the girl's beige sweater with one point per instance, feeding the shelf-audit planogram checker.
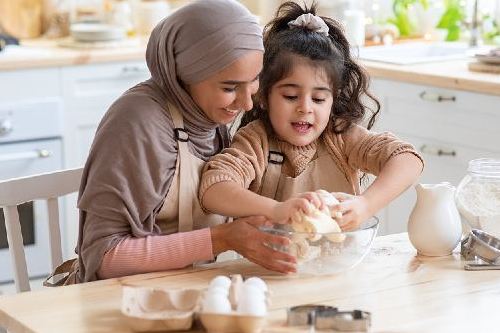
(356, 151)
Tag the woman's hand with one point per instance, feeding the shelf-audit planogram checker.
(355, 210)
(243, 236)
(283, 211)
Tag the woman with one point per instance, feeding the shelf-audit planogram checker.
(138, 198)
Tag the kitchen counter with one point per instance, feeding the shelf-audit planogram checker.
(403, 291)
(46, 53)
(446, 74)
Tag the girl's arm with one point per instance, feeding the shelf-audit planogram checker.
(230, 199)
(399, 173)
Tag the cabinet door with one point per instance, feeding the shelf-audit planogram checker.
(469, 119)
(448, 127)
(444, 162)
(32, 84)
(88, 92)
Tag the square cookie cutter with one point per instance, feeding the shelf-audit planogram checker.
(323, 317)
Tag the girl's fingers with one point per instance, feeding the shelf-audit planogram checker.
(343, 207)
(341, 196)
(348, 222)
(314, 198)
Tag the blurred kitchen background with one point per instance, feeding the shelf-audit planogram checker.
(434, 64)
(429, 19)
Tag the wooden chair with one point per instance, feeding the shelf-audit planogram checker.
(47, 187)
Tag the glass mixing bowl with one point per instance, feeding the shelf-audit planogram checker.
(327, 253)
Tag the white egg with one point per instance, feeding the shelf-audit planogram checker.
(220, 281)
(218, 290)
(257, 282)
(253, 306)
(216, 303)
(251, 290)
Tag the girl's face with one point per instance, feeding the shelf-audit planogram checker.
(224, 95)
(300, 104)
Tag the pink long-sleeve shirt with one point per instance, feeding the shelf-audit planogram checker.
(156, 253)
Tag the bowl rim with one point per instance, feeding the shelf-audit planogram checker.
(370, 223)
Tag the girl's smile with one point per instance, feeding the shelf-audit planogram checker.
(302, 127)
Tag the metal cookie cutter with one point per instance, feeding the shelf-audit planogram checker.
(329, 318)
(482, 245)
(304, 315)
(346, 321)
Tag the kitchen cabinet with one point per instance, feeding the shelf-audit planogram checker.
(88, 92)
(84, 93)
(448, 128)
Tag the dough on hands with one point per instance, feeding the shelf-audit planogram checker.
(330, 201)
(319, 222)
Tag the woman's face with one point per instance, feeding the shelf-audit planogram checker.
(300, 104)
(224, 95)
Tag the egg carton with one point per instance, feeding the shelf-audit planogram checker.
(159, 309)
(150, 309)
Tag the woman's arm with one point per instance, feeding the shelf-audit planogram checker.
(156, 253)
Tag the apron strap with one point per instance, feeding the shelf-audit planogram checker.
(185, 199)
(271, 178)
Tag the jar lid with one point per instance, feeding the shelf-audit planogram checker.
(488, 167)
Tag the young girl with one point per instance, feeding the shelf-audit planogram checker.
(305, 134)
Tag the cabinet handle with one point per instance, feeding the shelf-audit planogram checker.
(435, 97)
(6, 127)
(28, 155)
(426, 149)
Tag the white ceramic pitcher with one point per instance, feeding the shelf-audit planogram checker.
(434, 225)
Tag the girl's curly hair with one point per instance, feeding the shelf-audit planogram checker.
(282, 47)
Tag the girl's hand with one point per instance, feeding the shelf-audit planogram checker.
(355, 210)
(243, 236)
(305, 202)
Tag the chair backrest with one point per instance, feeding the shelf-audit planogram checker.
(47, 187)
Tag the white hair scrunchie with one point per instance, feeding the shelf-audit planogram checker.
(311, 22)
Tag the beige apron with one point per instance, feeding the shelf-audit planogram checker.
(321, 173)
(181, 210)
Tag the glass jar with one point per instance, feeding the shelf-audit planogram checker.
(478, 195)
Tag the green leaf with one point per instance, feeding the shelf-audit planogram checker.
(452, 19)
(453, 34)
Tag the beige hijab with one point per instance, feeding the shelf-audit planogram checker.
(132, 159)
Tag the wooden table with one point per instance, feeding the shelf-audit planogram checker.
(403, 291)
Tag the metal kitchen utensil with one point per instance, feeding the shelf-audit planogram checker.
(344, 321)
(329, 318)
(304, 315)
(478, 266)
(483, 245)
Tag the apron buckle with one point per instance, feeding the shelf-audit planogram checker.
(275, 157)
(181, 134)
